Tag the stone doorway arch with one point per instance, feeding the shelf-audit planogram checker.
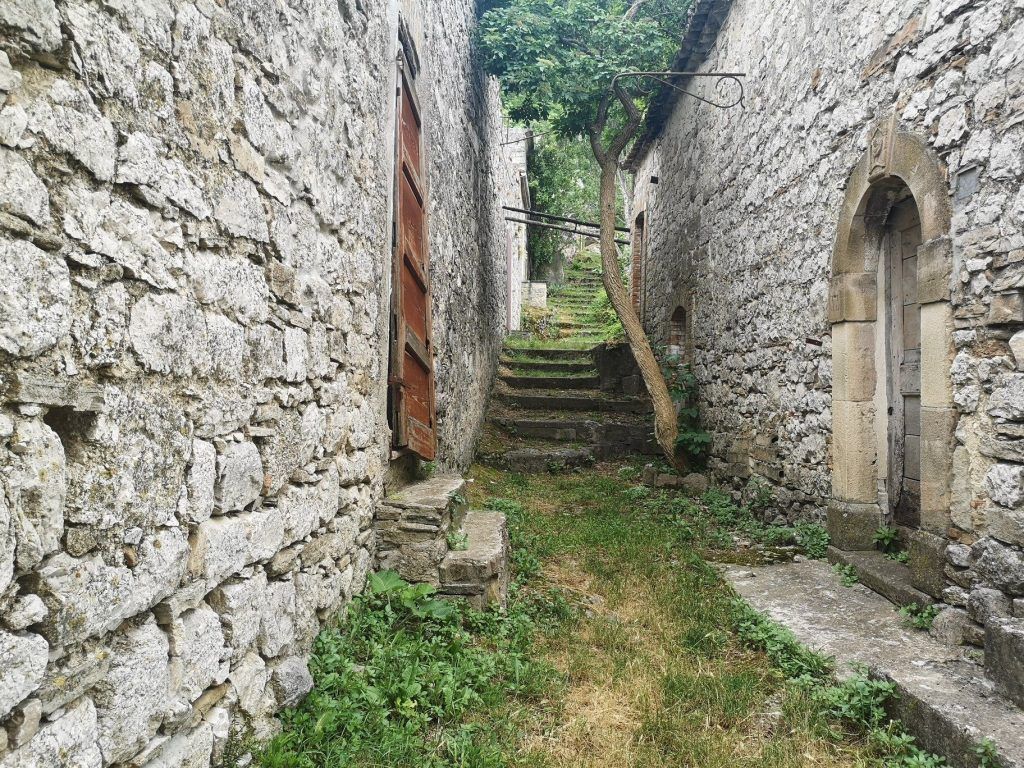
(897, 167)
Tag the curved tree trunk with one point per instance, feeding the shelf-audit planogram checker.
(666, 427)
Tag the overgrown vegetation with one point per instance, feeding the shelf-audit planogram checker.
(855, 705)
(919, 616)
(692, 440)
(564, 180)
(621, 647)
(407, 679)
(847, 574)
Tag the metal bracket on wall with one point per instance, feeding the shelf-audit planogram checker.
(665, 78)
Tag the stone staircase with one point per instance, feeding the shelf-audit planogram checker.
(427, 535)
(567, 402)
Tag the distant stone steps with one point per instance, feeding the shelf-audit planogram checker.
(606, 439)
(563, 354)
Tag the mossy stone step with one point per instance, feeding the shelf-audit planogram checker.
(886, 577)
(537, 460)
(551, 382)
(553, 366)
(606, 439)
(570, 401)
(564, 354)
(561, 430)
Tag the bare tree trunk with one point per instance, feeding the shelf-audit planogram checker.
(627, 196)
(666, 427)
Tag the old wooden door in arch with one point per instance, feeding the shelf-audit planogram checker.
(411, 379)
(903, 238)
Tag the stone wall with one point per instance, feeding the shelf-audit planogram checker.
(195, 218)
(743, 221)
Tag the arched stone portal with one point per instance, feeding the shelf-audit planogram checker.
(892, 402)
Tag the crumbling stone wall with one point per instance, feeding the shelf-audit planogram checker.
(194, 277)
(744, 220)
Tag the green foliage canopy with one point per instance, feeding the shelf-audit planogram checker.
(556, 58)
(564, 181)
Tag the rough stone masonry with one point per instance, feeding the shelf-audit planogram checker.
(752, 223)
(195, 250)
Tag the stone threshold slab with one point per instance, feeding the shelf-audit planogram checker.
(945, 700)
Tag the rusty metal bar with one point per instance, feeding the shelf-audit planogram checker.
(595, 235)
(560, 218)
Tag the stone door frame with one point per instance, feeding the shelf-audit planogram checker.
(894, 159)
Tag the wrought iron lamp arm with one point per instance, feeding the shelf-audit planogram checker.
(661, 78)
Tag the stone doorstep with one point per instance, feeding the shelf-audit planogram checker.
(1004, 657)
(487, 537)
(888, 578)
(481, 571)
(945, 701)
(434, 493)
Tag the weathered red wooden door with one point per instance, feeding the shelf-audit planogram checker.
(412, 349)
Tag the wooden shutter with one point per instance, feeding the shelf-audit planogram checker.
(412, 350)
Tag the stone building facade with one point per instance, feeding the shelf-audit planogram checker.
(840, 259)
(195, 278)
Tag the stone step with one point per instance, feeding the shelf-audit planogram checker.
(944, 699)
(888, 578)
(552, 382)
(537, 460)
(572, 303)
(480, 572)
(413, 523)
(605, 440)
(553, 366)
(552, 353)
(563, 430)
(574, 401)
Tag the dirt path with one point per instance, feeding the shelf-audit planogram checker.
(652, 674)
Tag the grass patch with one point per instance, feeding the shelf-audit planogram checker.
(621, 647)
(654, 675)
(410, 681)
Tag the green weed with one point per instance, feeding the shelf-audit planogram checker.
(887, 538)
(407, 678)
(918, 616)
(847, 574)
(813, 538)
